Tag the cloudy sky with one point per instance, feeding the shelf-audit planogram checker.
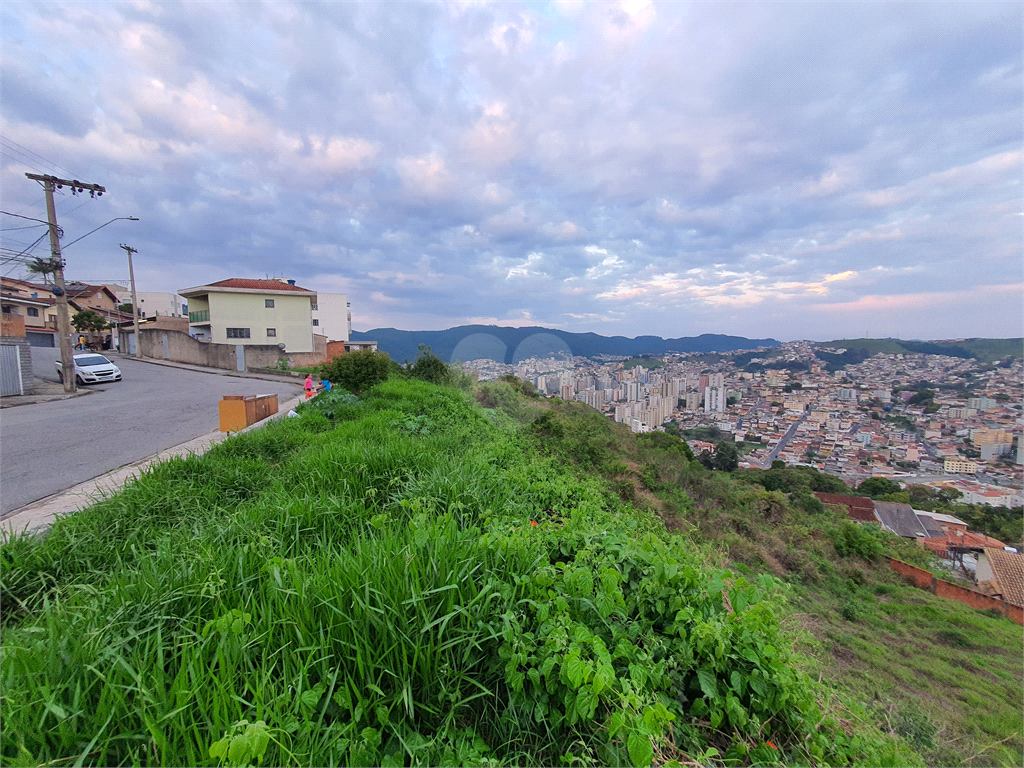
(804, 170)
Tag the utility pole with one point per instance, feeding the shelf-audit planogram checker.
(135, 302)
(63, 320)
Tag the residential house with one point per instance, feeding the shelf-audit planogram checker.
(1002, 573)
(900, 519)
(248, 312)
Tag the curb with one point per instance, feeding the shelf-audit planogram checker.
(206, 369)
(38, 514)
(36, 399)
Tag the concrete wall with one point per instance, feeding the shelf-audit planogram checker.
(922, 579)
(291, 317)
(182, 348)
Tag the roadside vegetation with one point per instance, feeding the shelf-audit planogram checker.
(425, 570)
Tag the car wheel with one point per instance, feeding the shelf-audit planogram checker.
(80, 380)
(60, 376)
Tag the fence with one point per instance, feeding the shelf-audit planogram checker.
(923, 579)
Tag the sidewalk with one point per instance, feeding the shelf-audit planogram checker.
(39, 514)
(41, 391)
(284, 378)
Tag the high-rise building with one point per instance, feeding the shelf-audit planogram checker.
(715, 400)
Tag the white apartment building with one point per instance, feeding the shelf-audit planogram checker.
(153, 303)
(242, 311)
(332, 316)
(715, 399)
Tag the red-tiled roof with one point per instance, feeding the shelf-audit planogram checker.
(968, 540)
(857, 507)
(1008, 568)
(257, 285)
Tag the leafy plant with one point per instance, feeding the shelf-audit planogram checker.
(359, 371)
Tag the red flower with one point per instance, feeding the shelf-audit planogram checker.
(772, 746)
(533, 522)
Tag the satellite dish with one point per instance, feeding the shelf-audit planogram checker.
(281, 346)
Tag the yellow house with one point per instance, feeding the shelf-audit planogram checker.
(240, 311)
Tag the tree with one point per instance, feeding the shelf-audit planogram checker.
(778, 464)
(43, 267)
(358, 371)
(878, 486)
(706, 459)
(429, 367)
(126, 308)
(727, 458)
(87, 320)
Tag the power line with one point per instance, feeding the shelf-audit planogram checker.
(37, 155)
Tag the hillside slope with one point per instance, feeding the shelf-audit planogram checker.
(415, 578)
(503, 344)
(985, 350)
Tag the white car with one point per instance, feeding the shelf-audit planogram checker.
(91, 368)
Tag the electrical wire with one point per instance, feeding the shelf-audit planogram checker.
(39, 157)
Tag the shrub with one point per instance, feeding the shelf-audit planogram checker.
(358, 371)
(429, 367)
(848, 538)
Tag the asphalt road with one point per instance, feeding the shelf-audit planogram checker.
(48, 447)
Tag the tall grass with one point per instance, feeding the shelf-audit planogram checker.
(389, 582)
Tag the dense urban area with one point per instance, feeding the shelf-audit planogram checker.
(928, 419)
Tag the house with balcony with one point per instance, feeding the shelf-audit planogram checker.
(251, 312)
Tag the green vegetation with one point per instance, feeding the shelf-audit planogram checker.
(87, 320)
(421, 575)
(647, 362)
(985, 350)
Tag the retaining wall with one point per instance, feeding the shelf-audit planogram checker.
(183, 348)
(923, 579)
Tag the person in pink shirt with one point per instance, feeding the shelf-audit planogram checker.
(308, 386)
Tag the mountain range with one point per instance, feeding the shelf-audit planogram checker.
(510, 345)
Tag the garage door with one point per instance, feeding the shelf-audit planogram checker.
(10, 371)
(37, 339)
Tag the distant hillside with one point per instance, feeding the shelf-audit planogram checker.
(508, 345)
(985, 350)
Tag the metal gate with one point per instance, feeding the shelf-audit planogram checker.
(10, 371)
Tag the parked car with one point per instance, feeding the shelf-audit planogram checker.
(91, 368)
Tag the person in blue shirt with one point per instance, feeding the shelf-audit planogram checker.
(325, 385)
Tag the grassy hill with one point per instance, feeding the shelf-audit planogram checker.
(985, 350)
(431, 576)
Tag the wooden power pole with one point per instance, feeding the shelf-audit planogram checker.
(135, 301)
(60, 291)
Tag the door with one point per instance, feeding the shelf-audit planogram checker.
(10, 371)
(240, 356)
(131, 343)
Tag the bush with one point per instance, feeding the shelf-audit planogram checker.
(429, 367)
(848, 538)
(358, 371)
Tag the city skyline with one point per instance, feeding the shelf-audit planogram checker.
(761, 170)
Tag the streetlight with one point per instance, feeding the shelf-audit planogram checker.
(101, 226)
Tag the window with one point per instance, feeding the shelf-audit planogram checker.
(268, 303)
(33, 312)
(313, 306)
(34, 295)
(316, 322)
(238, 333)
(271, 332)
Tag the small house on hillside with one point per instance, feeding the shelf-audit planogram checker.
(1001, 573)
(900, 519)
